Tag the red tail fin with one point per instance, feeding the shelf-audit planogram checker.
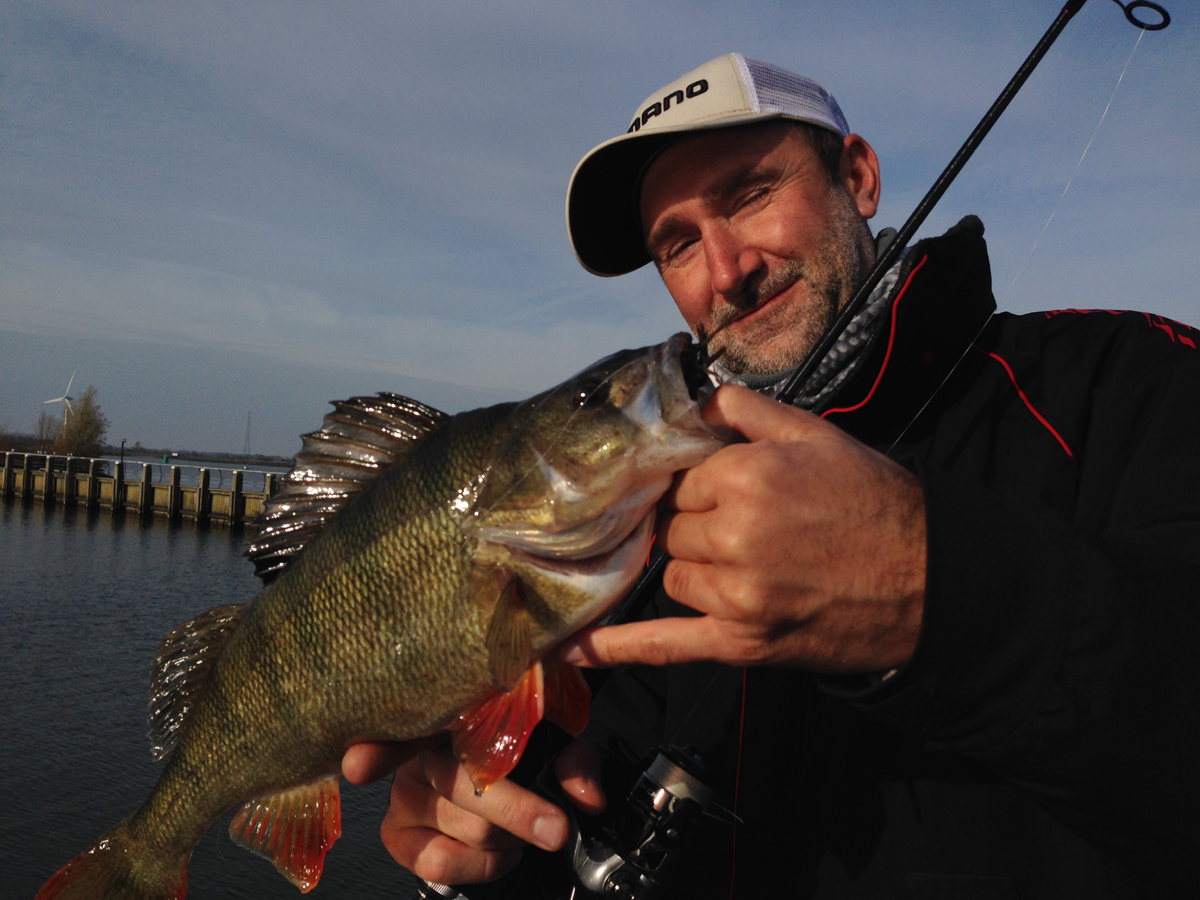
(106, 871)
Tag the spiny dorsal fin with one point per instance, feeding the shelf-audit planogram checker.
(361, 437)
(293, 829)
(182, 665)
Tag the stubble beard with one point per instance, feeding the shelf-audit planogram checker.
(781, 337)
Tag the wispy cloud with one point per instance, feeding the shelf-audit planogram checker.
(383, 190)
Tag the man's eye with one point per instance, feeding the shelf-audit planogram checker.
(752, 198)
(679, 248)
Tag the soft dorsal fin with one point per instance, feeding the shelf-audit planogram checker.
(294, 829)
(179, 671)
(361, 437)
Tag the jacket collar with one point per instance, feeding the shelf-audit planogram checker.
(941, 301)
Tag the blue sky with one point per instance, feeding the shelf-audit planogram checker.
(214, 208)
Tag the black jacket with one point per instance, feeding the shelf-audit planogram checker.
(1043, 741)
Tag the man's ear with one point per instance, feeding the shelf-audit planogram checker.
(859, 171)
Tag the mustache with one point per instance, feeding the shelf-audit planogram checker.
(756, 294)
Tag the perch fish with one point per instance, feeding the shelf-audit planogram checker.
(419, 566)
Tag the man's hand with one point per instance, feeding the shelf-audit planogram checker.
(438, 829)
(802, 547)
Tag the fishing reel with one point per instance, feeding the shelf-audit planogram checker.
(630, 855)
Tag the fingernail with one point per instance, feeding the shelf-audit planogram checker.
(550, 832)
(573, 655)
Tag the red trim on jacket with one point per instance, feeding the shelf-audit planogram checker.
(1160, 322)
(1020, 393)
(891, 343)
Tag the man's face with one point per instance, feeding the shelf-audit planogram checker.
(754, 243)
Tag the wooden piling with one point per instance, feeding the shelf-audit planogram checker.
(47, 495)
(93, 484)
(237, 508)
(146, 500)
(68, 491)
(118, 497)
(173, 495)
(203, 500)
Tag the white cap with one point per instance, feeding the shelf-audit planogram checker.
(602, 216)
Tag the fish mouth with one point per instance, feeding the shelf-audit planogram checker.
(683, 364)
(588, 512)
(693, 370)
(667, 408)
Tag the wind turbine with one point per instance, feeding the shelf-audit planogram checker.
(65, 399)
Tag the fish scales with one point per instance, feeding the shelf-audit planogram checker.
(421, 603)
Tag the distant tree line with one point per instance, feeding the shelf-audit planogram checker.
(79, 431)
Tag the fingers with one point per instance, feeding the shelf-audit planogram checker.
(436, 826)
(504, 804)
(658, 642)
(434, 857)
(578, 771)
(759, 417)
(368, 762)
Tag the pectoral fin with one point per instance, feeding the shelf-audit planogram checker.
(490, 739)
(293, 829)
(509, 637)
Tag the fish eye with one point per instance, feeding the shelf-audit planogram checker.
(591, 393)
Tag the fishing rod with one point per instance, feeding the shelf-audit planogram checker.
(651, 578)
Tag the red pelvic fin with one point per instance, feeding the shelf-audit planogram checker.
(568, 697)
(293, 829)
(489, 739)
(107, 870)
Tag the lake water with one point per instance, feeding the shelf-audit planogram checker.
(84, 604)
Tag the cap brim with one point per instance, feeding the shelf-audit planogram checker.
(603, 221)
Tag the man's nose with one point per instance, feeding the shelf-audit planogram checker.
(730, 261)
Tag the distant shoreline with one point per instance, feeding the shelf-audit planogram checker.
(258, 459)
(27, 443)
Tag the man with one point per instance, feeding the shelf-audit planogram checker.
(934, 631)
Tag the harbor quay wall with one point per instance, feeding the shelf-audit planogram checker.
(130, 488)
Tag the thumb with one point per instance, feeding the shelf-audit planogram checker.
(759, 417)
(578, 771)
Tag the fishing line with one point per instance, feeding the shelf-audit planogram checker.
(721, 670)
(941, 384)
(1078, 165)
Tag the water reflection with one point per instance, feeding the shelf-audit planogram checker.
(84, 602)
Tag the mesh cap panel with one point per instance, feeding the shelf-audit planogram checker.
(778, 90)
